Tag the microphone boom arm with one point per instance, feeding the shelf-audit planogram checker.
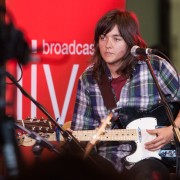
(164, 102)
(66, 135)
(170, 116)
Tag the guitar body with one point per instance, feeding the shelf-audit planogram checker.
(128, 118)
(142, 137)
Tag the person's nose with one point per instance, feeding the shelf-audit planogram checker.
(108, 43)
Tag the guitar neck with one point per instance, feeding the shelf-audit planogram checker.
(87, 135)
(108, 135)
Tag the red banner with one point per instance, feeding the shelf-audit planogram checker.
(60, 34)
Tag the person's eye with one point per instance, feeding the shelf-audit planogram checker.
(102, 37)
(117, 39)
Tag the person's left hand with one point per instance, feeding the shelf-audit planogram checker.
(163, 136)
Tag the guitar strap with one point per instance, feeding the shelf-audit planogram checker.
(109, 98)
(107, 93)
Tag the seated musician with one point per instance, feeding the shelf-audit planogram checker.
(123, 80)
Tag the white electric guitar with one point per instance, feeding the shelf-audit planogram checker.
(135, 131)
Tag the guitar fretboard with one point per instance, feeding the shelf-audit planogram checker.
(108, 135)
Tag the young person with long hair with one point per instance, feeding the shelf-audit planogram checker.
(132, 87)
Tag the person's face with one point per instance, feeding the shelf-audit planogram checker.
(112, 46)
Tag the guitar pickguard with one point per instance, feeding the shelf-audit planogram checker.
(141, 153)
(127, 115)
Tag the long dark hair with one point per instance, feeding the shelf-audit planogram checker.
(129, 29)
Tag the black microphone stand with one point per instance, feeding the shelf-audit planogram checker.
(169, 115)
(73, 143)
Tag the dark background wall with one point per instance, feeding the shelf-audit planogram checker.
(159, 25)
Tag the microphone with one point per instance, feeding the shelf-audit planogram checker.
(136, 51)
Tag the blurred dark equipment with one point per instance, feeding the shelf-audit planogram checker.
(12, 42)
(12, 46)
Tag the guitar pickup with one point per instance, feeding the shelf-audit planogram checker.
(139, 134)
